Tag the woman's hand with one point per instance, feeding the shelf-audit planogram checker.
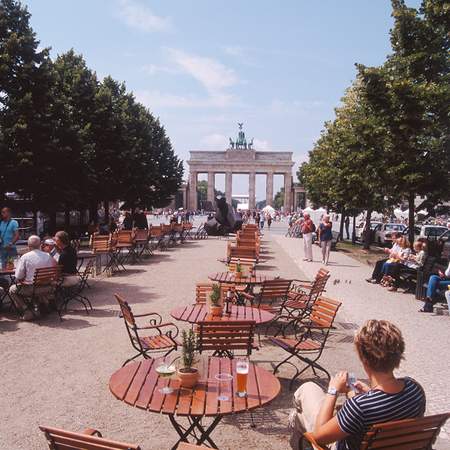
(339, 382)
(361, 387)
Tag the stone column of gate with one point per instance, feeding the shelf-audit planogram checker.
(287, 192)
(228, 186)
(252, 190)
(269, 189)
(193, 190)
(211, 184)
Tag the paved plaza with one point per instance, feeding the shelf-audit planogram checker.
(56, 373)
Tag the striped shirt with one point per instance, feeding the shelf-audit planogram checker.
(360, 412)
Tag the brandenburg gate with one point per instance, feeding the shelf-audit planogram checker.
(240, 158)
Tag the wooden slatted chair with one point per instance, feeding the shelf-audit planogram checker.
(125, 240)
(241, 252)
(308, 348)
(158, 237)
(272, 295)
(74, 293)
(299, 301)
(224, 338)
(204, 289)
(142, 240)
(408, 434)
(159, 342)
(45, 283)
(90, 439)
(103, 245)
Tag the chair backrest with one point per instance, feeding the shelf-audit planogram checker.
(226, 336)
(411, 434)
(323, 312)
(246, 266)
(318, 286)
(125, 237)
(275, 289)
(46, 276)
(242, 252)
(321, 273)
(66, 440)
(125, 309)
(100, 243)
(204, 289)
(141, 235)
(408, 434)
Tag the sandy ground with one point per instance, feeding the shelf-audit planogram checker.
(56, 373)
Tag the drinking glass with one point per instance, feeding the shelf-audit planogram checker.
(165, 370)
(242, 366)
(224, 380)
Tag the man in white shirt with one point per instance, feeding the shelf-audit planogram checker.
(26, 267)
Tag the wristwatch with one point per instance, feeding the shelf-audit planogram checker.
(332, 391)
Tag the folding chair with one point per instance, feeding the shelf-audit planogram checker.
(300, 299)
(90, 439)
(142, 240)
(224, 338)
(124, 240)
(313, 338)
(408, 434)
(70, 293)
(159, 342)
(45, 283)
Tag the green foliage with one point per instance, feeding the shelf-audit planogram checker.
(188, 348)
(215, 295)
(68, 140)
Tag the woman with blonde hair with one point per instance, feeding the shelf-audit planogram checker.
(391, 268)
(380, 346)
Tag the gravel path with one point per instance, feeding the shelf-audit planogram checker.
(56, 373)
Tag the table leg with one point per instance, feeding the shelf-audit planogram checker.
(195, 425)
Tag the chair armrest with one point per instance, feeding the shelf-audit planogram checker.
(309, 438)
(150, 314)
(163, 325)
(92, 432)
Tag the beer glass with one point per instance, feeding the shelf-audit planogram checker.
(224, 380)
(242, 366)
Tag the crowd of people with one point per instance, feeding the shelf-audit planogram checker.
(401, 259)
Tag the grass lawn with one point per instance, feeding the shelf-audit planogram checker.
(356, 251)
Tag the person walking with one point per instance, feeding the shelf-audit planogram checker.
(325, 238)
(347, 226)
(262, 220)
(269, 221)
(9, 235)
(308, 229)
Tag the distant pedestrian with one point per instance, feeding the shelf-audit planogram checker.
(325, 238)
(9, 235)
(262, 220)
(308, 229)
(347, 226)
(269, 221)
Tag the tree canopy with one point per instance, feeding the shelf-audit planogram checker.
(69, 140)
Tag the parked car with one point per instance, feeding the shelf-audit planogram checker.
(444, 240)
(431, 232)
(359, 228)
(383, 232)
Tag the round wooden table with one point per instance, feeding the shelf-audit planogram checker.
(230, 278)
(138, 384)
(199, 312)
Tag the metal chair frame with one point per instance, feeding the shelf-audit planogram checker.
(155, 324)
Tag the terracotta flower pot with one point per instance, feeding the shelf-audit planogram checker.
(216, 311)
(188, 377)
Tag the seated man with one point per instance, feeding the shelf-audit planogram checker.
(34, 259)
(67, 259)
(380, 348)
(49, 246)
(436, 283)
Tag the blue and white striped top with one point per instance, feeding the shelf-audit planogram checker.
(360, 412)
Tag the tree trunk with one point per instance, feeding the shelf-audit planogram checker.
(354, 230)
(66, 219)
(367, 231)
(411, 212)
(106, 208)
(52, 220)
(93, 213)
(341, 226)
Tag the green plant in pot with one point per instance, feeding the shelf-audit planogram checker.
(239, 270)
(216, 301)
(187, 374)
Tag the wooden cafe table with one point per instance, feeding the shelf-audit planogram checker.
(199, 312)
(138, 384)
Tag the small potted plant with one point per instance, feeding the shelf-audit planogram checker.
(239, 271)
(187, 374)
(10, 263)
(216, 306)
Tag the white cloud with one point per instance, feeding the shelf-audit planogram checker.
(212, 74)
(153, 99)
(261, 144)
(141, 17)
(153, 69)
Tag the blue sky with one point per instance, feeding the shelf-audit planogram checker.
(204, 65)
